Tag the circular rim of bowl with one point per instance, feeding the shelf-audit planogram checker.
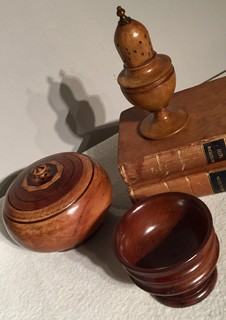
(184, 261)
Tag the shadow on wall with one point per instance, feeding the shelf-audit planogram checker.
(85, 112)
(78, 115)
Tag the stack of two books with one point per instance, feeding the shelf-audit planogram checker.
(191, 161)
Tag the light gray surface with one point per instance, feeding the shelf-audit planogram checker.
(89, 283)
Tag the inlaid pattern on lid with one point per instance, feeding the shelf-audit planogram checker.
(48, 186)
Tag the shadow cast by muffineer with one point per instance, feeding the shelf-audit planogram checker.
(99, 249)
(84, 112)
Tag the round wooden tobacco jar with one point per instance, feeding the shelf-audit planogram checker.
(57, 202)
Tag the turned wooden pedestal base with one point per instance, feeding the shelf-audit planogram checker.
(164, 123)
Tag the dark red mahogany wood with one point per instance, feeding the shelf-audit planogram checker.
(168, 245)
(57, 202)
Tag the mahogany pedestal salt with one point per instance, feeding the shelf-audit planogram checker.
(147, 80)
(57, 202)
(168, 245)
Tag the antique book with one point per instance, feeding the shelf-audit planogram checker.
(210, 180)
(200, 142)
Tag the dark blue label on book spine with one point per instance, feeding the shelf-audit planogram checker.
(218, 181)
(215, 150)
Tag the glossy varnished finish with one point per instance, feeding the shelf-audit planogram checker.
(178, 163)
(148, 79)
(57, 202)
(168, 245)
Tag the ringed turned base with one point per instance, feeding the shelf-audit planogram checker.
(190, 298)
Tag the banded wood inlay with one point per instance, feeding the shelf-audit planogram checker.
(26, 203)
(57, 202)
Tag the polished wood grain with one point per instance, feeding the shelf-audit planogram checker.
(57, 202)
(168, 245)
(147, 80)
(149, 166)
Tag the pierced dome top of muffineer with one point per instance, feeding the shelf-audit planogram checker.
(132, 41)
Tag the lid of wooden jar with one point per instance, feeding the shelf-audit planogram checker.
(47, 187)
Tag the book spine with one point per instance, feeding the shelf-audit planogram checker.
(162, 165)
(198, 184)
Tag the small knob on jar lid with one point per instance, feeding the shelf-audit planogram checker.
(41, 174)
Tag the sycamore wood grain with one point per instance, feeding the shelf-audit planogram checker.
(147, 80)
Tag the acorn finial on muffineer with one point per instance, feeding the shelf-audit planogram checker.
(147, 80)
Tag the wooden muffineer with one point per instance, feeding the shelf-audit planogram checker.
(147, 80)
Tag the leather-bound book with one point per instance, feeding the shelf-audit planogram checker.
(201, 142)
(210, 180)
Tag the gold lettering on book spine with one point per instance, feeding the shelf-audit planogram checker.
(220, 154)
(210, 152)
(220, 184)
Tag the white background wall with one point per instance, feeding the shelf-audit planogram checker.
(59, 66)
